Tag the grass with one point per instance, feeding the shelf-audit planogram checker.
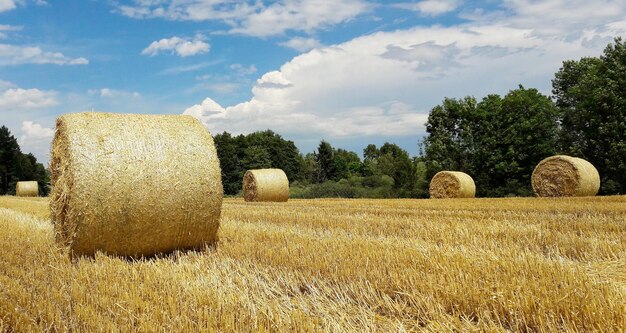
(522, 264)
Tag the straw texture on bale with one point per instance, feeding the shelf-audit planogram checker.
(565, 176)
(452, 184)
(27, 189)
(265, 185)
(134, 185)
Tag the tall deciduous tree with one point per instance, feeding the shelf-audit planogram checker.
(448, 144)
(591, 95)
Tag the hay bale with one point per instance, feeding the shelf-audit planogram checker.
(452, 184)
(564, 176)
(27, 189)
(265, 185)
(134, 185)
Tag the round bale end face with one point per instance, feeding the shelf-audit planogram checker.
(564, 176)
(452, 184)
(134, 185)
(265, 185)
(27, 189)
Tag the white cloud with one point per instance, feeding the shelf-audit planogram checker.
(181, 46)
(18, 98)
(251, 17)
(6, 5)
(208, 107)
(386, 83)
(430, 7)
(558, 18)
(112, 93)
(302, 44)
(36, 139)
(17, 55)
(32, 130)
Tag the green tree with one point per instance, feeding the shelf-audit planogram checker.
(230, 162)
(591, 96)
(16, 166)
(283, 154)
(310, 168)
(256, 157)
(497, 141)
(264, 149)
(325, 160)
(448, 144)
(345, 164)
(527, 132)
(9, 149)
(396, 163)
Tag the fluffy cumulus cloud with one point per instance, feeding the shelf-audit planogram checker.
(251, 17)
(36, 139)
(181, 46)
(430, 7)
(17, 55)
(386, 83)
(32, 130)
(19, 99)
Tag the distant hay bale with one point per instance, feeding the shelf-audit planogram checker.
(452, 184)
(27, 189)
(265, 185)
(565, 176)
(134, 185)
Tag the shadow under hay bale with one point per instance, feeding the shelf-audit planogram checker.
(565, 176)
(452, 184)
(134, 185)
(27, 189)
(265, 185)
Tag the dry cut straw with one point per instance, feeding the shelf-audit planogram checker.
(134, 185)
(265, 185)
(27, 189)
(452, 184)
(561, 175)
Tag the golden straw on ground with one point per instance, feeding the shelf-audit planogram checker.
(452, 184)
(265, 185)
(565, 176)
(134, 185)
(27, 189)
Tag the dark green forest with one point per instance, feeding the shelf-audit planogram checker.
(17, 166)
(498, 140)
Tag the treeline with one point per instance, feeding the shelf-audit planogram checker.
(16, 166)
(384, 172)
(497, 140)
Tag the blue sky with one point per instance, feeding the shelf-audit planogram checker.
(351, 72)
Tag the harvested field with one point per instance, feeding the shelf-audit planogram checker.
(521, 264)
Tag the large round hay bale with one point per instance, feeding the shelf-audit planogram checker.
(564, 176)
(134, 185)
(265, 185)
(452, 184)
(27, 189)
